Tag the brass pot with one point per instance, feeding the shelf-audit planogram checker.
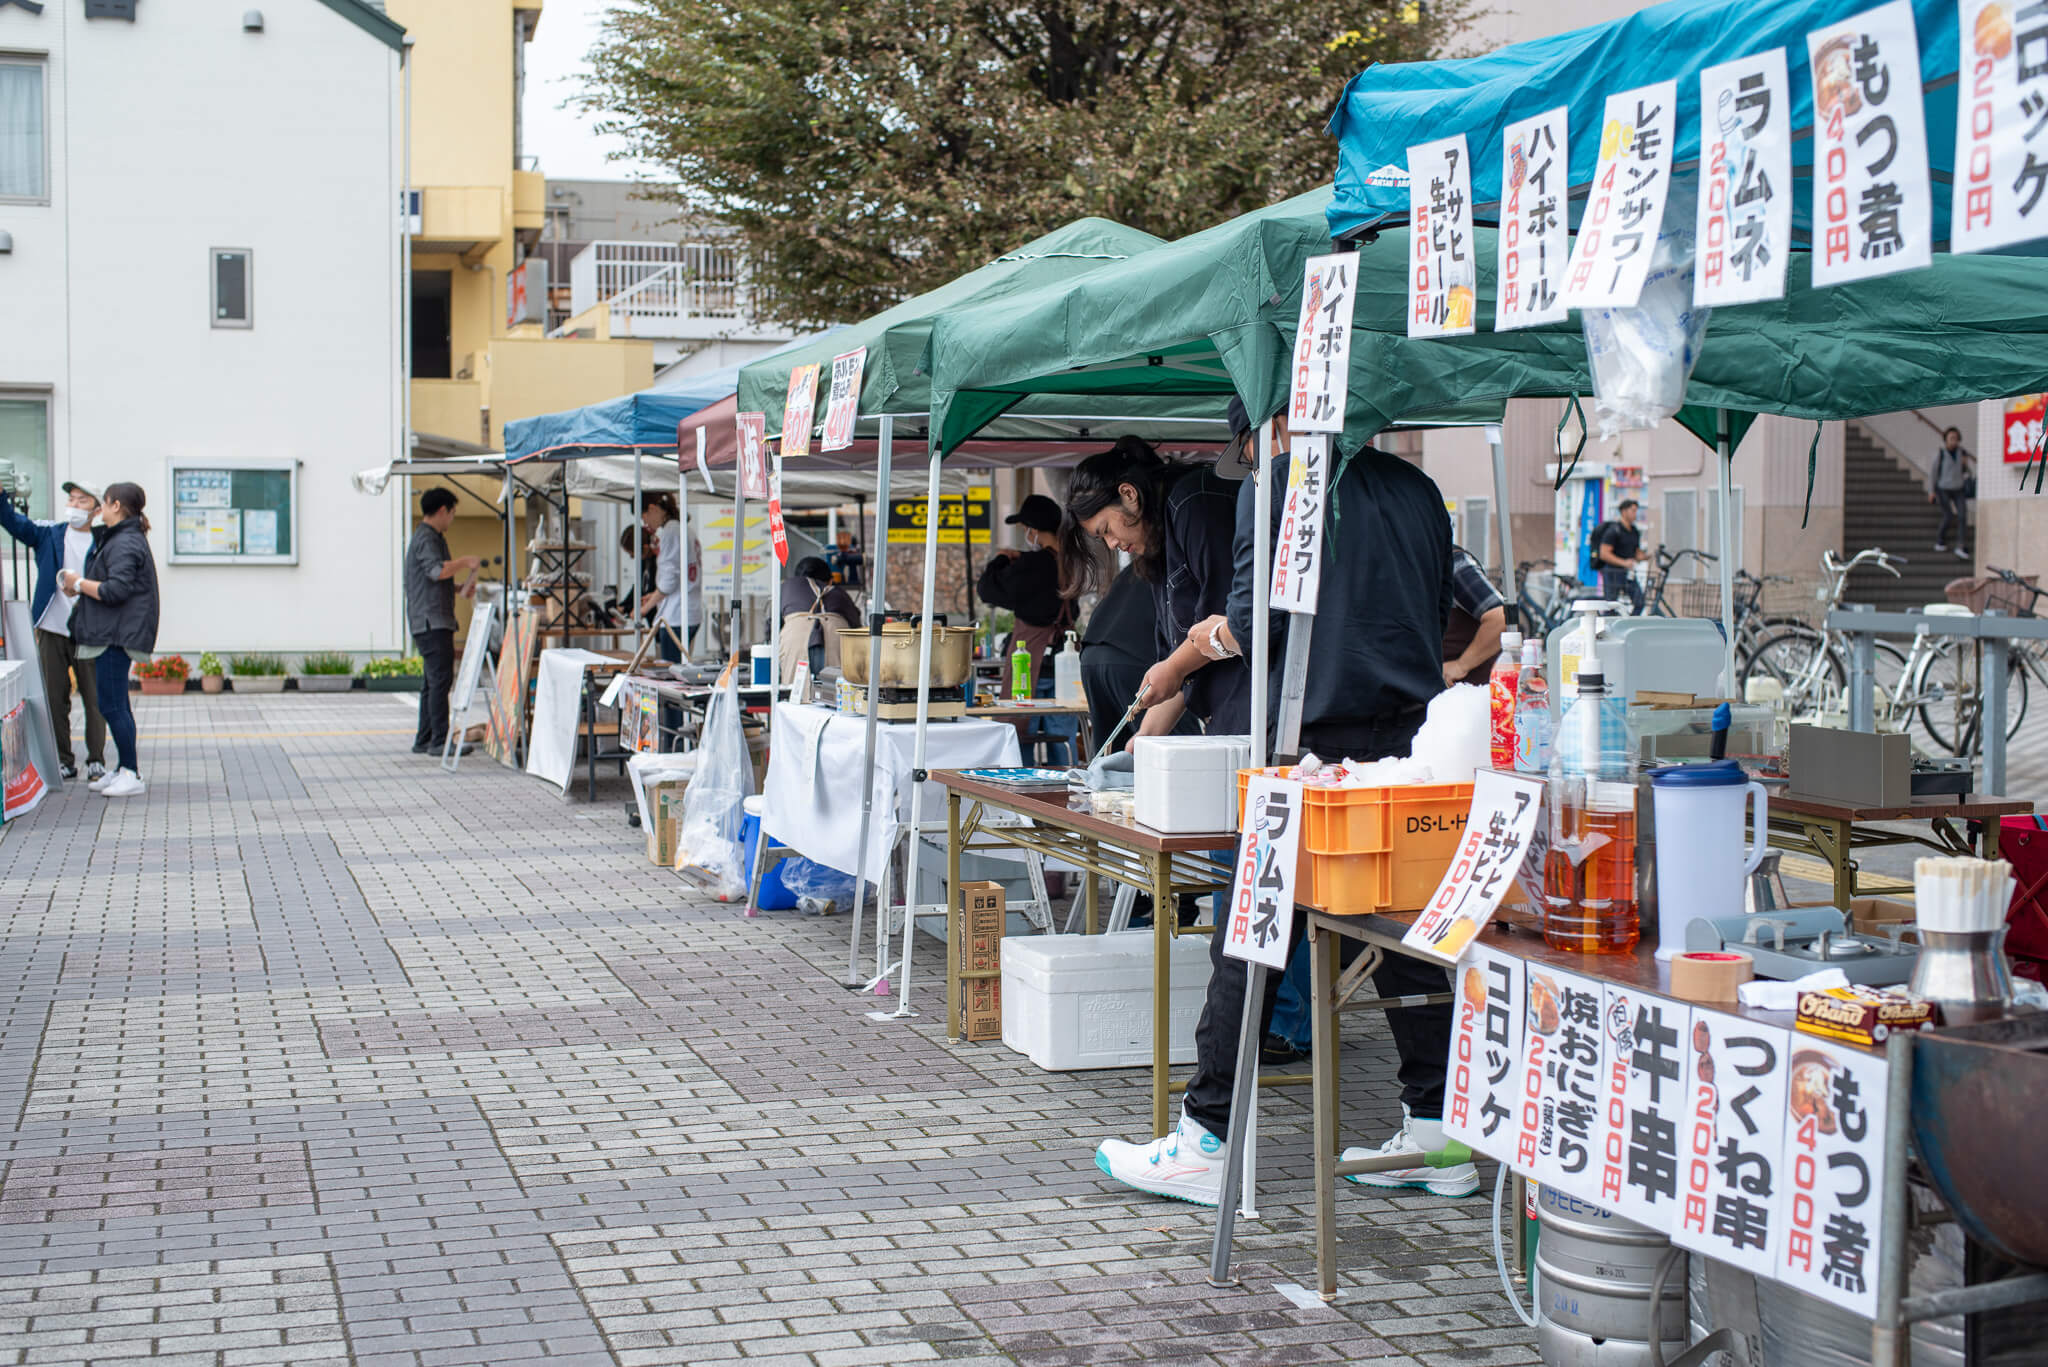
(952, 655)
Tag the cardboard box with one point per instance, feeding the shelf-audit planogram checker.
(1870, 915)
(983, 911)
(1852, 768)
(665, 820)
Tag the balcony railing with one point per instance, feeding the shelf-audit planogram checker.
(690, 290)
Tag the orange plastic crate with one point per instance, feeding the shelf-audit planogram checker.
(1375, 849)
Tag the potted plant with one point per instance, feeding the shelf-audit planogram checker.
(326, 671)
(257, 673)
(211, 671)
(163, 675)
(394, 674)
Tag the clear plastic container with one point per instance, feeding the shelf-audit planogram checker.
(1589, 878)
(1532, 712)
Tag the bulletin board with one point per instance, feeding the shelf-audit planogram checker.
(235, 514)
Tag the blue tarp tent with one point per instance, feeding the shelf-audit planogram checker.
(1390, 107)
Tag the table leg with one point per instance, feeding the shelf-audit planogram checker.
(1162, 983)
(953, 926)
(1991, 829)
(1889, 1333)
(1091, 893)
(1323, 1068)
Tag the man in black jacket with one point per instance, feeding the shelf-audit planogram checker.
(1028, 582)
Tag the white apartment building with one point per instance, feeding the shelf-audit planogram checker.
(199, 267)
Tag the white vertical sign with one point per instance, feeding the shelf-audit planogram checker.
(1486, 1044)
(1733, 1140)
(1534, 241)
(797, 408)
(1560, 1129)
(752, 431)
(1872, 209)
(1490, 852)
(1322, 344)
(1652, 1043)
(842, 403)
(1298, 550)
(1442, 273)
(1833, 1193)
(1745, 201)
(1625, 207)
(1262, 910)
(2001, 168)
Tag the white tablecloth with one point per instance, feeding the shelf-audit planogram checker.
(815, 762)
(557, 712)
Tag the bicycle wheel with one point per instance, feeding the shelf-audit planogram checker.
(1804, 666)
(1945, 692)
(1749, 640)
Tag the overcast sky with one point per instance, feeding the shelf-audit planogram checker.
(557, 65)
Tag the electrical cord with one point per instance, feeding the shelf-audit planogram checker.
(1500, 1262)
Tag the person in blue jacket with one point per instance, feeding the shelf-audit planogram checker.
(57, 546)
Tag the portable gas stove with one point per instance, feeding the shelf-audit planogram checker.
(900, 704)
(1791, 944)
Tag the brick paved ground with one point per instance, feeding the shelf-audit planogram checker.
(317, 1054)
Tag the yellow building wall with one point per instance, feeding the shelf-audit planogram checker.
(462, 64)
(531, 376)
(449, 408)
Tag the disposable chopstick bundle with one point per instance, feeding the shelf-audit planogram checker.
(1961, 894)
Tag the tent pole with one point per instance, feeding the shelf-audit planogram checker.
(885, 441)
(683, 501)
(1500, 509)
(639, 531)
(775, 599)
(1262, 585)
(739, 550)
(917, 770)
(1727, 462)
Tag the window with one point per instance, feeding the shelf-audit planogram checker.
(25, 449)
(232, 287)
(1713, 501)
(1681, 531)
(234, 514)
(24, 130)
(1476, 535)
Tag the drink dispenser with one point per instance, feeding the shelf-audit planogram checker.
(1701, 860)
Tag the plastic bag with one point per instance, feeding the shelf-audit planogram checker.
(709, 843)
(818, 887)
(1641, 358)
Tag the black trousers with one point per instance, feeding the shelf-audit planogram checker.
(437, 653)
(1422, 1034)
(1955, 515)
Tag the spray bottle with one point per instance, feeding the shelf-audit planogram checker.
(1066, 673)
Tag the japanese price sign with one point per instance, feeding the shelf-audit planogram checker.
(1872, 209)
(842, 404)
(778, 535)
(1745, 201)
(1833, 1168)
(1322, 344)
(1733, 1140)
(1503, 817)
(1298, 551)
(2023, 417)
(2001, 126)
(797, 408)
(1625, 208)
(1441, 271)
(1535, 238)
(1262, 908)
(1486, 1035)
(752, 429)
(1560, 1129)
(1651, 1043)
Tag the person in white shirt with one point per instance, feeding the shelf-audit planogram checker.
(62, 545)
(676, 601)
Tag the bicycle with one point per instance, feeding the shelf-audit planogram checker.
(1949, 701)
(1543, 598)
(1804, 666)
(1654, 602)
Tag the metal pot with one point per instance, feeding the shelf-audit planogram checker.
(952, 655)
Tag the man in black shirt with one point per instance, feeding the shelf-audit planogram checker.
(1028, 582)
(430, 613)
(1617, 552)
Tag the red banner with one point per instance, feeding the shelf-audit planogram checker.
(2023, 417)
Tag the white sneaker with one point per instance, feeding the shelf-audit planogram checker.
(1186, 1165)
(1418, 1137)
(124, 783)
(102, 779)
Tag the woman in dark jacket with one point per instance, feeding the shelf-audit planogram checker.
(115, 620)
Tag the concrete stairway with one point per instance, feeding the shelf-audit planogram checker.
(1885, 504)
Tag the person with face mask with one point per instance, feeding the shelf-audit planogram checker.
(58, 546)
(114, 620)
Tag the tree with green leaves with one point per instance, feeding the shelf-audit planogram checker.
(866, 152)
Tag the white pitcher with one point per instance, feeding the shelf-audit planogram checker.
(1701, 863)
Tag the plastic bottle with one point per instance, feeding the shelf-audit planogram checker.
(1500, 686)
(1589, 877)
(1579, 641)
(1066, 673)
(1020, 670)
(1532, 712)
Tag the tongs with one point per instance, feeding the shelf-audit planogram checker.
(1108, 742)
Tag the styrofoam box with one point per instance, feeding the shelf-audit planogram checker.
(1085, 1001)
(1187, 784)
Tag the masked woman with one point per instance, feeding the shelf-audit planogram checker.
(115, 620)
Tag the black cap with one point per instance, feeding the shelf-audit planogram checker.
(1038, 512)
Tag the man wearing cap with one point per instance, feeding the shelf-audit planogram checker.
(1028, 582)
(62, 545)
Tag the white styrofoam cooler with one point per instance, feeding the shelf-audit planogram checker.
(1187, 784)
(1085, 1001)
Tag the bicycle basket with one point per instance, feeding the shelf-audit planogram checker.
(1699, 599)
(1989, 593)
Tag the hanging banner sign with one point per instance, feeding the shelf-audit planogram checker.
(2023, 418)
(1486, 1044)
(842, 405)
(1497, 832)
(797, 408)
(2001, 146)
(1298, 550)
(753, 441)
(1534, 241)
(1559, 1121)
(1833, 1165)
(1745, 201)
(1442, 276)
(1733, 1141)
(1262, 909)
(1322, 344)
(778, 536)
(1872, 209)
(1625, 209)
(1650, 1036)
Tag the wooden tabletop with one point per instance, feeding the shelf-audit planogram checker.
(1049, 803)
(1008, 710)
(1960, 806)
